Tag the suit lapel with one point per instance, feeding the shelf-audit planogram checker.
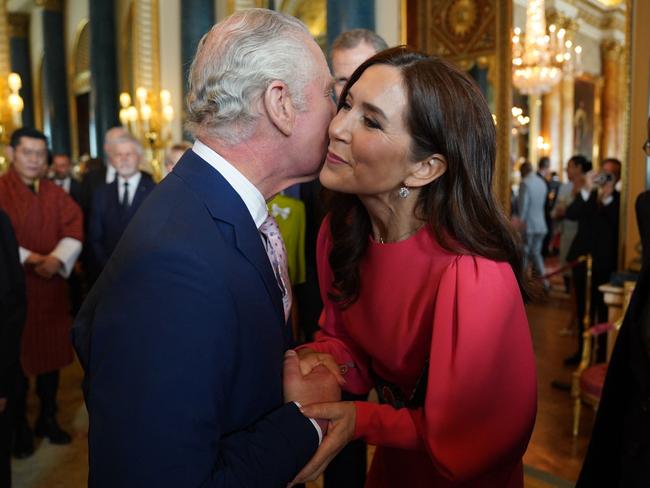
(224, 204)
(139, 194)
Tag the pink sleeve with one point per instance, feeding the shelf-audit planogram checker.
(481, 393)
(333, 338)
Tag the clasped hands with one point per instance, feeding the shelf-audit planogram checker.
(45, 266)
(314, 380)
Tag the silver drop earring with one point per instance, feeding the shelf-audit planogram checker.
(404, 192)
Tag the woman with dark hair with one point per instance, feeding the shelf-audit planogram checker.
(422, 284)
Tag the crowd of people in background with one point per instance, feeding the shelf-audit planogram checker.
(65, 226)
(573, 220)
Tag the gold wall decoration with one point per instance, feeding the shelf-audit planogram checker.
(312, 12)
(18, 25)
(236, 5)
(79, 79)
(53, 5)
(473, 32)
(147, 48)
(81, 59)
(612, 65)
(503, 101)
(457, 29)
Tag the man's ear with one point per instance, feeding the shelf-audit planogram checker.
(426, 171)
(279, 107)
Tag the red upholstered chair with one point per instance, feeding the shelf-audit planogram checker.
(589, 378)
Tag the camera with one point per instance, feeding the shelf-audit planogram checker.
(603, 178)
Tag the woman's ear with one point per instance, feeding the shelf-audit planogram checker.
(426, 171)
(279, 107)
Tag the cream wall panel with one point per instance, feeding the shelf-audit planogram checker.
(171, 70)
(387, 20)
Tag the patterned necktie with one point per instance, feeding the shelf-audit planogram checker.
(278, 256)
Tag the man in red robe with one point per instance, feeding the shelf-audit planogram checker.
(49, 230)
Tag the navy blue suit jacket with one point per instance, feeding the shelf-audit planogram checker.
(108, 221)
(182, 339)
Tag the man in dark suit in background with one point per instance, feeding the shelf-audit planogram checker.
(596, 209)
(115, 204)
(61, 175)
(183, 336)
(96, 177)
(13, 307)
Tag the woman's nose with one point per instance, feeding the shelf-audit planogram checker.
(338, 127)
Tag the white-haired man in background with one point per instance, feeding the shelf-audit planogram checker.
(184, 376)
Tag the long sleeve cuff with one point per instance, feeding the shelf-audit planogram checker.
(585, 195)
(24, 254)
(315, 424)
(67, 251)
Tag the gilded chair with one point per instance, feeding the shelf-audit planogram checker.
(589, 378)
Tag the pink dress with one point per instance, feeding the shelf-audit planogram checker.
(466, 316)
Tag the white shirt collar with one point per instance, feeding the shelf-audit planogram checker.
(251, 196)
(64, 183)
(134, 181)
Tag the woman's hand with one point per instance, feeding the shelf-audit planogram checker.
(341, 417)
(309, 359)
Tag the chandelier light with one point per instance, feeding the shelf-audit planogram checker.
(544, 56)
(149, 119)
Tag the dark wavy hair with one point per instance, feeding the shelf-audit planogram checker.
(445, 114)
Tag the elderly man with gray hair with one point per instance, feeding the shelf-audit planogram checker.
(183, 338)
(114, 204)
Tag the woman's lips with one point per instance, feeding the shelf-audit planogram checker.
(334, 159)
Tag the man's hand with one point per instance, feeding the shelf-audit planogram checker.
(317, 387)
(309, 359)
(607, 190)
(34, 259)
(48, 267)
(342, 418)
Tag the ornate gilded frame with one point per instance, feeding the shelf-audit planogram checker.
(424, 16)
(78, 83)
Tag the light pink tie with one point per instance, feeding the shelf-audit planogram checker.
(278, 256)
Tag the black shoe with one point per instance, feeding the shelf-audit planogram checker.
(23, 445)
(573, 360)
(48, 427)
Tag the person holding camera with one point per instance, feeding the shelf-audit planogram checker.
(595, 207)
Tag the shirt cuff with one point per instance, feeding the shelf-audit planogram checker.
(24, 254)
(585, 195)
(315, 424)
(67, 251)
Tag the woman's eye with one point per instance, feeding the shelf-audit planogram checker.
(368, 122)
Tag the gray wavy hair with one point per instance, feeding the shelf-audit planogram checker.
(124, 138)
(235, 62)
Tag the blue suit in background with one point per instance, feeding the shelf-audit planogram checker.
(182, 339)
(108, 220)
